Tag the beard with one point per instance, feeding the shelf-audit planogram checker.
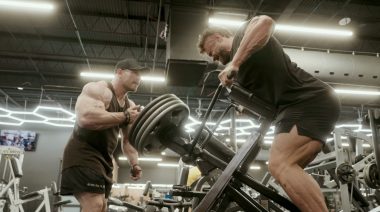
(224, 56)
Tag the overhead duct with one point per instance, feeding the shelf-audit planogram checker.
(185, 66)
(338, 67)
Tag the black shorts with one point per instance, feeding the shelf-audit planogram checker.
(314, 118)
(79, 179)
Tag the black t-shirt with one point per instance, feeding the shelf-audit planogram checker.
(272, 76)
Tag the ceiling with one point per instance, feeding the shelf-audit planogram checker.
(44, 53)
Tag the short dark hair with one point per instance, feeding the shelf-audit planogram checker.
(210, 31)
(130, 64)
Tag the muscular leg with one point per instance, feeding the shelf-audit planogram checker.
(289, 154)
(91, 202)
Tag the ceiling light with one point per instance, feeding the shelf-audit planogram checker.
(111, 76)
(268, 141)
(344, 21)
(224, 22)
(150, 159)
(152, 79)
(67, 121)
(348, 125)
(282, 27)
(97, 75)
(358, 92)
(141, 159)
(20, 88)
(255, 167)
(27, 5)
(168, 164)
(366, 145)
(312, 30)
(140, 185)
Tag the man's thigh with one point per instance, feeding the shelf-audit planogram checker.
(82, 179)
(293, 148)
(90, 200)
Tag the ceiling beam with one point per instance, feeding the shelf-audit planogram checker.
(32, 36)
(32, 72)
(9, 98)
(103, 14)
(289, 10)
(63, 58)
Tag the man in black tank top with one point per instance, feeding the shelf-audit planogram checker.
(307, 108)
(102, 111)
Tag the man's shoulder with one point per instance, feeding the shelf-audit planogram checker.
(99, 88)
(98, 84)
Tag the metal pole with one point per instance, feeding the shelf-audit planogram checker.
(233, 130)
(375, 137)
(156, 42)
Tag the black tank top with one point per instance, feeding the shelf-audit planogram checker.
(272, 76)
(94, 148)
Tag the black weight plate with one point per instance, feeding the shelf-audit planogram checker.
(147, 108)
(153, 107)
(177, 113)
(153, 118)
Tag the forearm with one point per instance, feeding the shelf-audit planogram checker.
(131, 153)
(256, 36)
(100, 119)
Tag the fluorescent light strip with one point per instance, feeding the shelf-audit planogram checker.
(366, 145)
(283, 27)
(168, 165)
(143, 185)
(358, 92)
(111, 76)
(97, 75)
(44, 119)
(268, 141)
(152, 79)
(255, 167)
(225, 22)
(142, 159)
(312, 30)
(349, 125)
(36, 6)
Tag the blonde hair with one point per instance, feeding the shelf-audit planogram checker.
(211, 31)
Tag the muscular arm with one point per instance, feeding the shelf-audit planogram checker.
(130, 152)
(91, 108)
(256, 36)
(128, 149)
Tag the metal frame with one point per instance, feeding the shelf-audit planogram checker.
(226, 187)
(9, 185)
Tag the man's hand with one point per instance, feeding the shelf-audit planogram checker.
(133, 113)
(227, 75)
(136, 172)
